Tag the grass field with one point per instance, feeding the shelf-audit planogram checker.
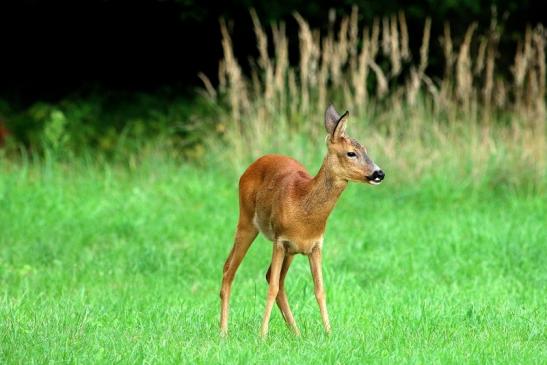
(103, 264)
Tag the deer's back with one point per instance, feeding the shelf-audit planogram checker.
(270, 187)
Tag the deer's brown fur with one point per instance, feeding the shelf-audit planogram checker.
(279, 198)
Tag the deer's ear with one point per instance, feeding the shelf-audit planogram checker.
(340, 127)
(331, 119)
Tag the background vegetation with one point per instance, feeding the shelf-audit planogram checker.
(118, 204)
(98, 62)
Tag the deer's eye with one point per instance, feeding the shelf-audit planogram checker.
(351, 154)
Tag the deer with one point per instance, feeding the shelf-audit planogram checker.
(281, 200)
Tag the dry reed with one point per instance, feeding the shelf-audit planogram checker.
(343, 66)
(405, 50)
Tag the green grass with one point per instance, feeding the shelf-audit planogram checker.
(103, 264)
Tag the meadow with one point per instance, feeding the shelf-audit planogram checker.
(106, 264)
(117, 257)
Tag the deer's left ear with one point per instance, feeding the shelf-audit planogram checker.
(331, 119)
(340, 127)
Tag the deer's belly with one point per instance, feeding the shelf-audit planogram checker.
(264, 226)
(297, 238)
(299, 245)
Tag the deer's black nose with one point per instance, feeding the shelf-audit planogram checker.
(378, 174)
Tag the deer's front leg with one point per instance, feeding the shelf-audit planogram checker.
(275, 270)
(316, 271)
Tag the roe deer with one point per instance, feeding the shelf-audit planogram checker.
(279, 198)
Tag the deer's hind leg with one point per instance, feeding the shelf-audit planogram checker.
(281, 299)
(245, 235)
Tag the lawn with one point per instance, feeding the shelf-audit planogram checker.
(107, 264)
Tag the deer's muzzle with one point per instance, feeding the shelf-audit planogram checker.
(376, 177)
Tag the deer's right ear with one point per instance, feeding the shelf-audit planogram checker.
(331, 119)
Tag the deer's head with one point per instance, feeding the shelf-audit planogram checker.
(347, 158)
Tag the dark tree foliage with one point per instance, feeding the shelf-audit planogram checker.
(51, 49)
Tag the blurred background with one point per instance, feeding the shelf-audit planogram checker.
(52, 49)
(107, 69)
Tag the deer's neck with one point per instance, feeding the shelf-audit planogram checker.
(325, 189)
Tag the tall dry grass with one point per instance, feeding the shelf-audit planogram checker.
(473, 120)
